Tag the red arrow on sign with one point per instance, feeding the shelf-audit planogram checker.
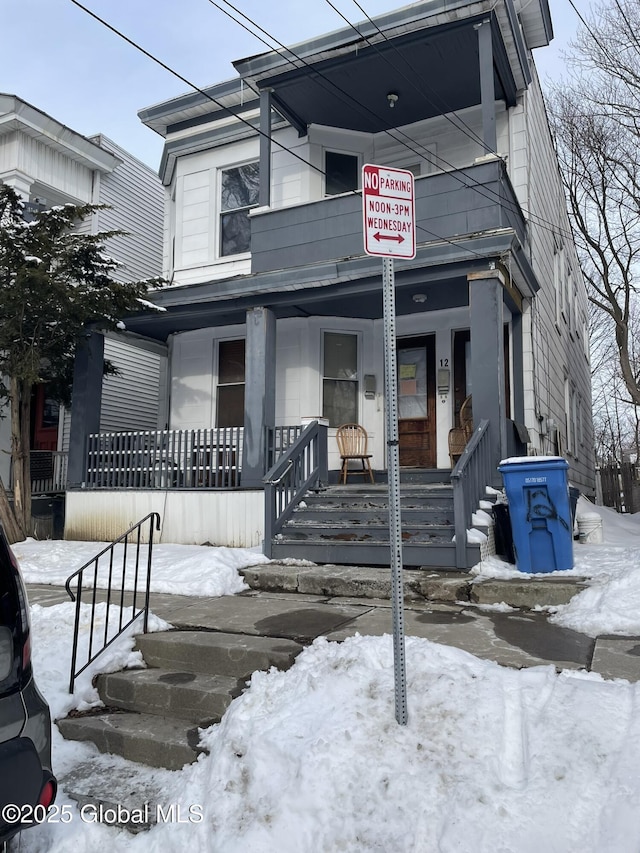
(397, 239)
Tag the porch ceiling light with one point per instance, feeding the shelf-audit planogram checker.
(392, 98)
(419, 298)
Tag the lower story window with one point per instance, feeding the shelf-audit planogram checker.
(230, 391)
(340, 378)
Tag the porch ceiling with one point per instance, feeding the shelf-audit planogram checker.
(433, 71)
(356, 299)
(350, 288)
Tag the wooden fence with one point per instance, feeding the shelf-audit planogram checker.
(620, 486)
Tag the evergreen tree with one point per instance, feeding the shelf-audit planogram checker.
(54, 282)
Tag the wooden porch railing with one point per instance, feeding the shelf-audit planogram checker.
(471, 475)
(176, 459)
(48, 471)
(167, 459)
(278, 440)
(298, 469)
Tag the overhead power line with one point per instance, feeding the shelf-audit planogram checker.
(239, 118)
(469, 181)
(474, 185)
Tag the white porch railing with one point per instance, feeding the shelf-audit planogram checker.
(167, 459)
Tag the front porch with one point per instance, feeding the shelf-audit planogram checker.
(194, 480)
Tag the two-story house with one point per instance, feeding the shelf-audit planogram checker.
(273, 315)
(50, 164)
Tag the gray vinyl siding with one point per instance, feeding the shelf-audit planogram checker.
(135, 398)
(136, 198)
(558, 343)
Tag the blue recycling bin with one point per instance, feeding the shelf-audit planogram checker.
(538, 495)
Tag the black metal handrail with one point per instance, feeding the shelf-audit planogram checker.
(472, 474)
(301, 466)
(154, 520)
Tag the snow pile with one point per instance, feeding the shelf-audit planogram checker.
(178, 569)
(611, 604)
(52, 637)
(492, 760)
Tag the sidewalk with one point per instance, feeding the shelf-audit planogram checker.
(496, 626)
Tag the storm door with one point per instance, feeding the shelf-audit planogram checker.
(417, 402)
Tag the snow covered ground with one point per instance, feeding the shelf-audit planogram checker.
(492, 760)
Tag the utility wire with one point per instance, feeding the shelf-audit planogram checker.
(238, 117)
(192, 85)
(541, 221)
(438, 102)
(401, 137)
(256, 130)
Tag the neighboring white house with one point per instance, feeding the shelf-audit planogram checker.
(274, 312)
(49, 164)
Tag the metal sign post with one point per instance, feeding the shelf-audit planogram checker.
(389, 232)
(393, 474)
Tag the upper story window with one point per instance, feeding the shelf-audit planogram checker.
(239, 189)
(342, 172)
(559, 281)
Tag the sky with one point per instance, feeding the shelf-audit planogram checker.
(58, 58)
(311, 760)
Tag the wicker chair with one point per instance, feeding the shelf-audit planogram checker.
(459, 436)
(352, 444)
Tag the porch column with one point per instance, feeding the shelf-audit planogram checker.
(259, 392)
(487, 359)
(86, 399)
(264, 199)
(487, 87)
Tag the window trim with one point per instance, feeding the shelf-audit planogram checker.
(219, 384)
(358, 379)
(220, 212)
(358, 158)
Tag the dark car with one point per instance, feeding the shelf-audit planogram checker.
(27, 785)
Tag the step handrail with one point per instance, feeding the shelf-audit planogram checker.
(302, 466)
(471, 475)
(154, 519)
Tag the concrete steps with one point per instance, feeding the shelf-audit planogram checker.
(216, 653)
(422, 585)
(145, 738)
(191, 696)
(153, 715)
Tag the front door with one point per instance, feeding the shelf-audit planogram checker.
(417, 401)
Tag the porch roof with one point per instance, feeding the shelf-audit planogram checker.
(350, 288)
(426, 53)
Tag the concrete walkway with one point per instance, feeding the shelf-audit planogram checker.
(445, 608)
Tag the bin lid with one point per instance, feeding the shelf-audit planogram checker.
(534, 462)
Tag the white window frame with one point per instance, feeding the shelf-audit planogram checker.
(357, 380)
(220, 212)
(217, 384)
(559, 273)
(329, 149)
